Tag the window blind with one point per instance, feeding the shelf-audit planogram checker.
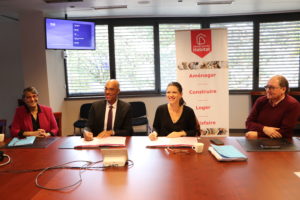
(134, 57)
(167, 50)
(279, 51)
(240, 54)
(88, 70)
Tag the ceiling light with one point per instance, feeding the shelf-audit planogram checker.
(143, 2)
(110, 7)
(206, 2)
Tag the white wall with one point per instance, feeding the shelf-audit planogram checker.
(11, 74)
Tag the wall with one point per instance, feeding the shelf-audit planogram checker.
(11, 72)
(33, 53)
(56, 82)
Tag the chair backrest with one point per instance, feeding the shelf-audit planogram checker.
(138, 109)
(84, 110)
(2, 125)
(58, 117)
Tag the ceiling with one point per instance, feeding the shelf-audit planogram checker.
(146, 8)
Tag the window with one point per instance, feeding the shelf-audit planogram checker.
(240, 54)
(134, 56)
(87, 71)
(279, 51)
(167, 51)
(259, 47)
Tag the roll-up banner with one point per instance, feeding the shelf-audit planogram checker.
(202, 70)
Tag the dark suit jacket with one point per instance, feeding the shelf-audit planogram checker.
(123, 118)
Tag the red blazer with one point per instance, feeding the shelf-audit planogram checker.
(22, 121)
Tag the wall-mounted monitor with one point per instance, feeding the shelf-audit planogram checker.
(68, 34)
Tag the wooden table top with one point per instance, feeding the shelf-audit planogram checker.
(156, 175)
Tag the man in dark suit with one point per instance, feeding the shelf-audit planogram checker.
(111, 116)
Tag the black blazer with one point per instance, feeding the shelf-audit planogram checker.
(123, 118)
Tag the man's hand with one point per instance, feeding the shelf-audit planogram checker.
(272, 132)
(104, 134)
(88, 136)
(153, 136)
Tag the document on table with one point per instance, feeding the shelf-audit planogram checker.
(114, 141)
(172, 142)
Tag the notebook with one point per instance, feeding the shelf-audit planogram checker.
(227, 153)
(21, 142)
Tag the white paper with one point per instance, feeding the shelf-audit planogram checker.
(173, 142)
(297, 174)
(107, 141)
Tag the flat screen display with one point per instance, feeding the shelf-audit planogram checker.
(68, 34)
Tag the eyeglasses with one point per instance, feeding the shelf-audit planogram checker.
(270, 87)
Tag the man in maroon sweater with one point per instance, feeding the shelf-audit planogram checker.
(274, 115)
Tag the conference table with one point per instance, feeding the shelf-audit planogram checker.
(156, 174)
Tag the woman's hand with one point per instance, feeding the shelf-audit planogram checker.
(153, 136)
(176, 134)
(38, 133)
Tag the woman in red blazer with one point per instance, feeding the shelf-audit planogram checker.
(33, 119)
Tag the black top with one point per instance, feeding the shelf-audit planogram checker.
(164, 125)
(35, 122)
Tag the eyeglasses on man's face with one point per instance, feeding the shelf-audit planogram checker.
(270, 87)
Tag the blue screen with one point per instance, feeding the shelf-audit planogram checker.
(68, 34)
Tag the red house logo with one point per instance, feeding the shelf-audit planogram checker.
(201, 42)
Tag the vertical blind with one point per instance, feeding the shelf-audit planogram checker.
(88, 70)
(279, 51)
(134, 57)
(240, 54)
(167, 51)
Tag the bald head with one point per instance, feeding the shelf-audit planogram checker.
(112, 90)
(113, 82)
(282, 81)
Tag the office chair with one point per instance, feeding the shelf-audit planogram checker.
(58, 117)
(139, 116)
(3, 126)
(83, 117)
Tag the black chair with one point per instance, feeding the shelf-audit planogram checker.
(139, 116)
(84, 115)
(3, 126)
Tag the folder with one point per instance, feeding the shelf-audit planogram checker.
(21, 142)
(227, 153)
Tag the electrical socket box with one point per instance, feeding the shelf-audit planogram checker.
(116, 157)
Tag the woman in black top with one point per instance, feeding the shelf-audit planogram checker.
(174, 119)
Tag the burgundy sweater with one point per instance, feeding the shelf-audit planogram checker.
(284, 116)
